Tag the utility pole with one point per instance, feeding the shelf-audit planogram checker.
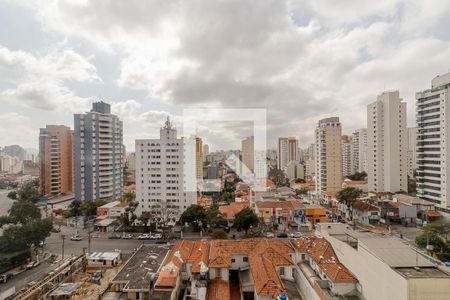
(63, 237)
(89, 236)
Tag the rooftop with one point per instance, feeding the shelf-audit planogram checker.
(218, 289)
(229, 211)
(103, 255)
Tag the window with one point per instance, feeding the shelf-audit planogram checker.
(282, 271)
(245, 259)
(233, 260)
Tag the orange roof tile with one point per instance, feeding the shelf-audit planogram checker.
(266, 278)
(218, 289)
(288, 204)
(199, 255)
(362, 205)
(229, 211)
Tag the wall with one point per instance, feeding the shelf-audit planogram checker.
(306, 290)
(429, 288)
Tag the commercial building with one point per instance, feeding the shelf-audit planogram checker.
(359, 151)
(248, 152)
(399, 271)
(98, 155)
(387, 144)
(287, 151)
(56, 160)
(328, 155)
(347, 161)
(433, 142)
(160, 175)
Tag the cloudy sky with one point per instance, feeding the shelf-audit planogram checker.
(301, 60)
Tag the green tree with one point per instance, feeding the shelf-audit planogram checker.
(358, 176)
(214, 218)
(28, 191)
(299, 180)
(302, 191)
(74, 207)
(12, 195)
(218, 234)
(23, 212)
(278, 177)
(348, 196)
(432, 236)
(194, 215)
(145, 217)
(245, 219)
(128, 197)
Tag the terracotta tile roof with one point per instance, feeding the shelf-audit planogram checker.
(266, 278)
(322, 253)
(229, 211)
(289, 204)
(362, 205)
(330, 194)
(218, 289)
(203, 201)
(199, 255)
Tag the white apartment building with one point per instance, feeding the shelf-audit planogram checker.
(387, 144)
(412, 133)
(98, 154)
(160, 177)
(433, 143)
(359, 151)
(346, 145)
(328, 155)
(287, 151)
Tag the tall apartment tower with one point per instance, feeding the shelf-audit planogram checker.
(287, 151)
(328, 155)
(56, 160)
(346, 145)
(387, 143)
(359, 151)
(411, 154)
(160, 174)
(99, 154)
(433, 142)
(248, 152)
(199, 158)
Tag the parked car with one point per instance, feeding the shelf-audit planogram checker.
(270, 234)
(127, 236)
(76, 238)
(144, 236)
(5, 277)
(30, 265)
(55, 230)
(114, 237)
(296, 234)
(156, 236)
(282, 235)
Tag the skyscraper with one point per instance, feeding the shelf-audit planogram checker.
(433, 142)
(160, 175)
(287, 151)
(346, 144)
(387, 143)
(99, 155)
(359, 150)
(328, 155)
(56, 160)
(412, 133)
(248, 152)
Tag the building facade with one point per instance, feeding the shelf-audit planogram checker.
(411, 154)
(56, 160)
(287, 151)
(159, 175)
(248, 152)
(387, 143)
(328, 155)
(359, 151)
(98, 154)
(199, 158)
(433, 143)
(346, 145)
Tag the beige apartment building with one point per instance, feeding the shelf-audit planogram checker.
(56, 160)
(287, 151)
(387, 144)
(328, 155)
(199, 158)
(248, 152)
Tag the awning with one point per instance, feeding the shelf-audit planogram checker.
(433, 214)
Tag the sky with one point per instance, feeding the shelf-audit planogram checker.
(300, 60)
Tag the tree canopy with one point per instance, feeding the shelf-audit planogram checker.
(358, 176)
(348, 196)
(245, 219)
(278, 177)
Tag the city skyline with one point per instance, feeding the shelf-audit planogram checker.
(68, 65)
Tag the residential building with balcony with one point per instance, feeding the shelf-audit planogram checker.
(433, 142)
(56, 160)
(287, 151)
(98, 154)
(359, 151)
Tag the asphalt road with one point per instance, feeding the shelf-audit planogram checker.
(5, 202)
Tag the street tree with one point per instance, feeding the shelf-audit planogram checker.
(12, 195)
(246, 219)
(278, 177)
(23, 212)
(194, 215)
(348, 197)
(28, 191)
(218, 234)
(301, 191)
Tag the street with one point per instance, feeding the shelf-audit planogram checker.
(27, 276)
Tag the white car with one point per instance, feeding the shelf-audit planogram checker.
(144, 236)
(296, 234)
(76, 238)
(127, 236)
(156, 236)
(270, 234)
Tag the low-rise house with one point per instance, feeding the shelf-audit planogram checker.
(359, 184)
(425, 209)
(103, 259)
(112, 209)
(315, 214)
(229, 211)
(365, 212)
(279, 213)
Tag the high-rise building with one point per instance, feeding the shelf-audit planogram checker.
(295, 170)
(411, 154)
(248, 152)
(433, 142)
(205, 149)
(359, 151)
(160, 175)
(346, 145)
(56, 160)
(199, 158)
(287, 151)
(328, 155)
(98, 155)
(387, 143)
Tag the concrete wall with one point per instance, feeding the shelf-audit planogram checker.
(428, 288)
(306, 290)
